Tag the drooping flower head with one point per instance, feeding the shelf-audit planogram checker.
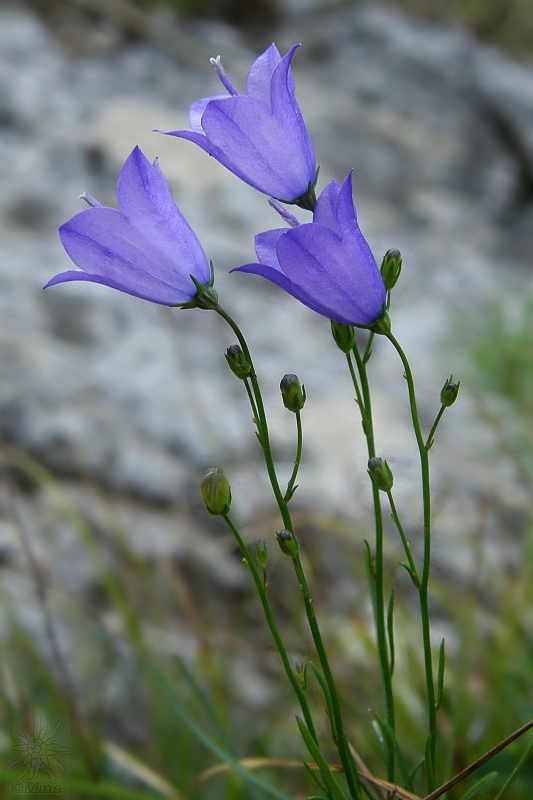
(146, 249)
(259, 136)
(326, 264)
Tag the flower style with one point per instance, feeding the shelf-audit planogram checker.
(325, 264)
(146, 249)
(259, 136)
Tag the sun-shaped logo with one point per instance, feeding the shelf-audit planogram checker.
(39, 749)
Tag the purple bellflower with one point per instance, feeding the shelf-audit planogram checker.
(325, 264)
(259, 136)
(146, 249)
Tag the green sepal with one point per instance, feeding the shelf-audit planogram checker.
(206, 296)
(307, 200)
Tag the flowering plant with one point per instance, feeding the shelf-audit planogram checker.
(148, 250)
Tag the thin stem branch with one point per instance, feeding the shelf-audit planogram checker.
(412, 568)
(352, 776)
(479, 762)
(259, 585)
(252, 403)
(364, 401)
(290, 486)
(350, 769)
(424, 582)
(429, 440)
(261, 419)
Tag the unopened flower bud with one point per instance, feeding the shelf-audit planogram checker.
(287, 542)
(344, 336)
(391, 267)
(380, 474)
(261, 554)
(216, 492)
(449, 392)
(237, 362)
(292, 392)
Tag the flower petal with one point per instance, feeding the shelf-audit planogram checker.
(259, 78)
(252, 144)
(104, 243)
(345, 212)
(286, 110)
(276, 276)
(265, 247)
(315, 260)
(197, 109)
(145, 199)
(324, 212)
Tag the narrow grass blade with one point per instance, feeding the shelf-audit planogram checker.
(204, 701)
(323, 685)
(391, 744)
(515, 773)
(217, 751)
(327, 776)
(479, 786)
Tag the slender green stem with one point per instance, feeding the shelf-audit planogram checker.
(252, 404)
(379, 611)
(412, 569)
(352, 776)
(261, 419)
(345, 756)
(290, 490)
(424, 581)
(429, 440)
(273, 629)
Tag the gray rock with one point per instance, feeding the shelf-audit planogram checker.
(110, 392)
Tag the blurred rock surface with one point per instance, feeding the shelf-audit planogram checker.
(135, 400)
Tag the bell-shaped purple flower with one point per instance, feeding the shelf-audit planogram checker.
(146, 249)
(259, 136)
(325, 264)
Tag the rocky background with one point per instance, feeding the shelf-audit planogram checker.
(125, 403)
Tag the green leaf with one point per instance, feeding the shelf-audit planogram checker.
(440, 677)
(327, 775)
(390, 744)
(324, 687)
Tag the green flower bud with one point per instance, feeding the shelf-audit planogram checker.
(449, 392)
(287, 542)
(261, 553)
(344, 336)
(216, 492)
(292, 393)
(380, 474)
(382, 324)
(237, 362)
(391, 267)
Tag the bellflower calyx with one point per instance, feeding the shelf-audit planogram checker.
(326, 264)
(260, 136)
(145, 249)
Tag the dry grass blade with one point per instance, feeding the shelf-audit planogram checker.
(254, 763)
(140, 771)
(378, 784)
(273, 763)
